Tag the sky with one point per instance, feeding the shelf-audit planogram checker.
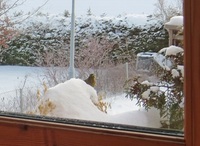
(98, 7)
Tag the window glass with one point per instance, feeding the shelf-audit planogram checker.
(122, 69)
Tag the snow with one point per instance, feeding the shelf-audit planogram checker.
(176, 21)
(120, 102)
(146, 83)
(75, 99)
(175, 73)
(181, 68)
(61, 22)
(13, 77)
(171, 50)
(145, 94)
(154, 88)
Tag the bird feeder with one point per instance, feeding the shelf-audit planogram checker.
(174, 27)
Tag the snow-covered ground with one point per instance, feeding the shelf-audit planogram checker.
(13, 77)
(75, 99)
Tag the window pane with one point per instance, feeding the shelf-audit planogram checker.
(128, 63)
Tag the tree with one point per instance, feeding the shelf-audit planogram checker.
(8, 20)
(95, 54)
(165, 11)
(152, 37)
(89, 12)
(7, 32)
(66, 13)
(6, 25)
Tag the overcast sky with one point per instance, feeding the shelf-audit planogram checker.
(98, 7)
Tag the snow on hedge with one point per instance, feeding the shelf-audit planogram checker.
(57, 21)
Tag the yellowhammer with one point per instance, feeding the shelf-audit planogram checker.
(91, 80)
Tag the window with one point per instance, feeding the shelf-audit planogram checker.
(23, 131)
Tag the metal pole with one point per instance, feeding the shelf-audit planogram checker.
(21, 100)
(127, 71)
(72, 43)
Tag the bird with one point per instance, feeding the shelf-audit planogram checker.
(91, 80)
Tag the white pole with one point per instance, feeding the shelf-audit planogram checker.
(127, 71)
(21, 100)
(72, 43)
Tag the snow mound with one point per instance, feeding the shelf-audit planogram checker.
(74, 99)
(139, 118)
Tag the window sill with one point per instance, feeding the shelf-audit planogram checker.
(20, 131)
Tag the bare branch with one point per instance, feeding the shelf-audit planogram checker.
(165, 11)
(31, 14)
(6, 8)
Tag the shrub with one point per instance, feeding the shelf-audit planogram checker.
(166, 95)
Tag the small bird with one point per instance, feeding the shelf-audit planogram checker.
(91, 80)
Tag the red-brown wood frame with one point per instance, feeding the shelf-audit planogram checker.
(192, 71)
(22, 132)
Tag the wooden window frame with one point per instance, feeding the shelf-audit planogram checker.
(28, 132)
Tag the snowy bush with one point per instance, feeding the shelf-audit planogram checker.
(166, 95)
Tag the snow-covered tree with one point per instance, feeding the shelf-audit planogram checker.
(66, 13)
(9, 19)
(152, 37)
(167, 95)
(37, 38)
(45, 33)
